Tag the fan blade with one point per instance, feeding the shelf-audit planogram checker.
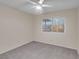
(41, 1)
(46, 6)
(37, 7)
(32, 2)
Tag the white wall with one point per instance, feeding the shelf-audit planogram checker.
(15, 28)
(66, 39)
(78, 31)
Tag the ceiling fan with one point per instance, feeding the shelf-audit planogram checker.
(39, 5)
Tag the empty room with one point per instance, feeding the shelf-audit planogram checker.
(39, 29)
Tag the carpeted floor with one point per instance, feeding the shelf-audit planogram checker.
(37, 50)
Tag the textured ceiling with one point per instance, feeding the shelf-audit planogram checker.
(26, 6)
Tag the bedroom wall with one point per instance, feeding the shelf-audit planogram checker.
(15, 28)
(78, 31)
(66, 39)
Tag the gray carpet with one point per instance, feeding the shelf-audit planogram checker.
(37, 50)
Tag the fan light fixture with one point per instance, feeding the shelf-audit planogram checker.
(38, 7)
